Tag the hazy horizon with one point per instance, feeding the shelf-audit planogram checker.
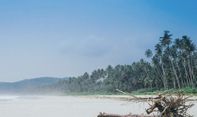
(67, 38)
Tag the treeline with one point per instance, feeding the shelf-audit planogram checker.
(172, 64)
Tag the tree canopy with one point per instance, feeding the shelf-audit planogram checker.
(172, 64)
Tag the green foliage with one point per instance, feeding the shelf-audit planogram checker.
(189, 90)
(173, 65)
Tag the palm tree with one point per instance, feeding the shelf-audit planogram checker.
(159, 54)
(180, 63)
(148, 53)
(188, 48)
(166, 45)
(166, 39)
(173, 61)
(157, 70)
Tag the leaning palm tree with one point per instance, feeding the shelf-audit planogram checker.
(159, 54)
(166, 41)
(188, 48)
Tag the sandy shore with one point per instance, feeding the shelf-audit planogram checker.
(72, 106)
(127, 97)
(65, 106)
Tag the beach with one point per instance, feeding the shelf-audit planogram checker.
(69, 106)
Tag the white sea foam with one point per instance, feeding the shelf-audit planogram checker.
(8, 98)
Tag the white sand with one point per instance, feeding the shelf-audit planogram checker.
(66, 106)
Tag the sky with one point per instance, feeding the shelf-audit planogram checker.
(61, 38)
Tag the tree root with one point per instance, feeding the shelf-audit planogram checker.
(165, 105)
(170, 105)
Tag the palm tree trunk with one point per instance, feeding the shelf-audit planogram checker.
(190, 72)
(175, 73)
(158, 71)
(192, 69)
(179, 71)
(164, 75)
(186, 73)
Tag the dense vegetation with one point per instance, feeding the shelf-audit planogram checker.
(172, 64)
(41, 85)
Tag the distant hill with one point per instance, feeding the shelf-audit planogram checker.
(34, 85)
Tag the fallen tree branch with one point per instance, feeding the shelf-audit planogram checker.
(166, 104)
(170, 105)
(115, 115)
(135, 97)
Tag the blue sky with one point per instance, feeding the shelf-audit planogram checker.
(69, 37)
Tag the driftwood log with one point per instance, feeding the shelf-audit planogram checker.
(115, 115)
(165, 105)
(170, 105)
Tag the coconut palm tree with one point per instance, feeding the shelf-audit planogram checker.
(148, 53)
(188, 48)
(170, 51)
(159, 54)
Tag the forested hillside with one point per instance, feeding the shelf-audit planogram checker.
(172, 64)
(30, 86)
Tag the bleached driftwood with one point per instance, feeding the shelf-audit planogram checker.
(116, 115)
(165, 104)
